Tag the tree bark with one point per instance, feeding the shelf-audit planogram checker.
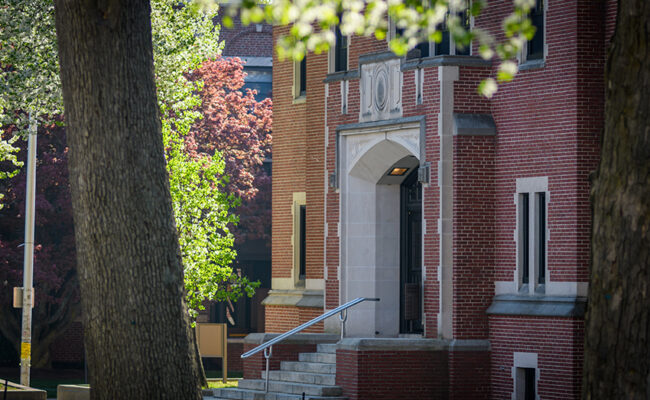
(137, 331)
(617, 333)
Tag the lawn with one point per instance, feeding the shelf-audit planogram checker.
(218, 384)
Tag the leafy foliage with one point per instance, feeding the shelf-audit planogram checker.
(238, 127)
(183, 37)
(29, 69)
(312, 22)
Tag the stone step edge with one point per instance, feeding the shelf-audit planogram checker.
(287, 383)
(297, 396)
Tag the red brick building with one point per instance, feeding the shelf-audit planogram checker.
(469, 218)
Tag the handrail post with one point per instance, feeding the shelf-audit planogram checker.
(267, 355)
(343, 317)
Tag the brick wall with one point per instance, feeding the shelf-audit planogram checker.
(235, 350)
(548, 122)
(558, 343)
(469, 375)
(430, 194)
(254, 40)
(390, 375)
(280, 319)
(315, 173)
(289, 162)
(473, 235)
(68, 350)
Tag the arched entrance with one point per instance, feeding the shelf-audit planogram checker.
(370, 230)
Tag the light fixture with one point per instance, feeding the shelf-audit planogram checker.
(398, 171)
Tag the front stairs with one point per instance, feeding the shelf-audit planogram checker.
(312, 377)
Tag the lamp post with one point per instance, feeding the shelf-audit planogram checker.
(28, 265)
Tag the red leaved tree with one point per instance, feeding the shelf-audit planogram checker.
(55, 262)
(239, 127)
(234, 123)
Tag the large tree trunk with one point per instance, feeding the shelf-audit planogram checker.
(136, 328)
(617, 345)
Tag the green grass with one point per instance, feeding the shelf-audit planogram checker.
(218, 384)
(214, 374)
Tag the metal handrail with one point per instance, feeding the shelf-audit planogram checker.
(343, 309)
(308, 324)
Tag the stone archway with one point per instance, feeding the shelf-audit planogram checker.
(370, 224)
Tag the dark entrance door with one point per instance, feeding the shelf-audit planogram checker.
(411, 255)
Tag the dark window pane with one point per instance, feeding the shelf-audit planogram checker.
(535, 49)
(303, 242)
(524, 245)
(464, 50)
(260, 79)
(541, 235)
(263, 89)
(424, 49)
(340, 52)
(442, 48)
(303, 76)
(529, 376)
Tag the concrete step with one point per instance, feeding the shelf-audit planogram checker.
(327, 348)
(312, 367)
(301, 377)
(291, 387)
(239, 394)
(329, 358)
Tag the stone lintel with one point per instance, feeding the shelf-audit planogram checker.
(543, 306)
(412, 344)
(438, 61)
(295, 298)
(377, 57)
(342, 76)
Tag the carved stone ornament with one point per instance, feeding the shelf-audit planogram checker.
(381, 91)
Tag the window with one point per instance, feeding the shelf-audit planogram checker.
(532, 227)
(535, 47)
(446, 45)
(540, 249)
(339, 54)
(259, 79)
(526, 389)
(300, 78)
(525, 372)
(532, 253)
(524, 237)
(298, 240)
(302, 270)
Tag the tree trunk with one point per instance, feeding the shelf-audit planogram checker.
(136, 327)
(617, 343)
(203, 379)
